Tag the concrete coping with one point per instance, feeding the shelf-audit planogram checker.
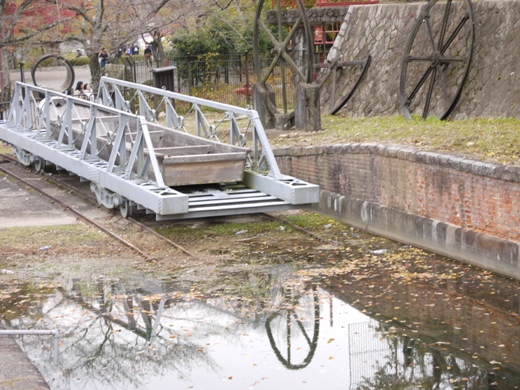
(408, 153)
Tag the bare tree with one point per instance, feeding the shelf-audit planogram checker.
(112, 23)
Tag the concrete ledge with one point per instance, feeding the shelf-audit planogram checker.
(461, 208)
(407, 153)
(501, 256)
(16, 370)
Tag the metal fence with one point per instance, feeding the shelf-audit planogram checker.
(225, 79)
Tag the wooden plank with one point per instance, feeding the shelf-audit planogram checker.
(203, 172)
(184, 150)
(204, 158)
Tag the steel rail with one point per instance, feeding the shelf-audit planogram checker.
(299, 228)
(79, 214)
(143, 226)
(133, 220)
(92, 198)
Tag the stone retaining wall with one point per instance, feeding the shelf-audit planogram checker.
(464, 209)
(381, 31)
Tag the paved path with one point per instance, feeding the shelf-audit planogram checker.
(16, 370)
(20, 207)
(52, 77)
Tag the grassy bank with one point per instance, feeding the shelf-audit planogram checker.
(494, 140)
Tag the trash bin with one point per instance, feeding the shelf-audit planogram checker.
(164, 78)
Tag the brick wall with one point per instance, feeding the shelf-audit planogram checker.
(464, 209)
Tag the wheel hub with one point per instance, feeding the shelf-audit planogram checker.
(436, 58)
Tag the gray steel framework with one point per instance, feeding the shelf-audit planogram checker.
(107, 144)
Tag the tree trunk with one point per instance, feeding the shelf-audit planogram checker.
(6, 87)
(95, 71)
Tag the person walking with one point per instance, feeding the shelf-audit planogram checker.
(148, 56)
(103, 55)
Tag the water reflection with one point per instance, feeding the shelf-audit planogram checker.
(300, 313)
(266, 328)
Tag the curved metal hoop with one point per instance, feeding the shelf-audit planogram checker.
(437, 59)
(68, 80)
(339, 100)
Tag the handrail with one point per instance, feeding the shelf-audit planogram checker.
(34, 332)
(137, 98)
(95, 130)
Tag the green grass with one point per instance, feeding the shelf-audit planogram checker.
(5, 148)
(228, 229)
(488, 139)
(50, 236)
(310, 220)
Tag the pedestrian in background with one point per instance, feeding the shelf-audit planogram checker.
(148, 55)
(88, 92)
(103, 55)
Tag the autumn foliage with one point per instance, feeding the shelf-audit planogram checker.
(27, 18)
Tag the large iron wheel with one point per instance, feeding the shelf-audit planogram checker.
(437, 59)
(289, 65)
(339, 72)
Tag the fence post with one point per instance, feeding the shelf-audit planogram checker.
(247, 79)
(189, 75)
(22, 77)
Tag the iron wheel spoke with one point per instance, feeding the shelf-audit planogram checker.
(419, 85)
(444, 24)
(442, 79)
(430, 32)
(454, 34)
(429, 94)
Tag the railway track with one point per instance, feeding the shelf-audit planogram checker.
(76, 198)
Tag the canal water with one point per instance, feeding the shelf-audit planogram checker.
(387, 318)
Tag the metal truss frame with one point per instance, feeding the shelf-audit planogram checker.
(110, 145)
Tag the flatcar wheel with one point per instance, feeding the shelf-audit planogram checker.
(287, 66)
(23, 156)
(437, 59)
(39, 164)
(125, 209)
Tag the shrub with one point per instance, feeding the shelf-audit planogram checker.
(78, 61)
